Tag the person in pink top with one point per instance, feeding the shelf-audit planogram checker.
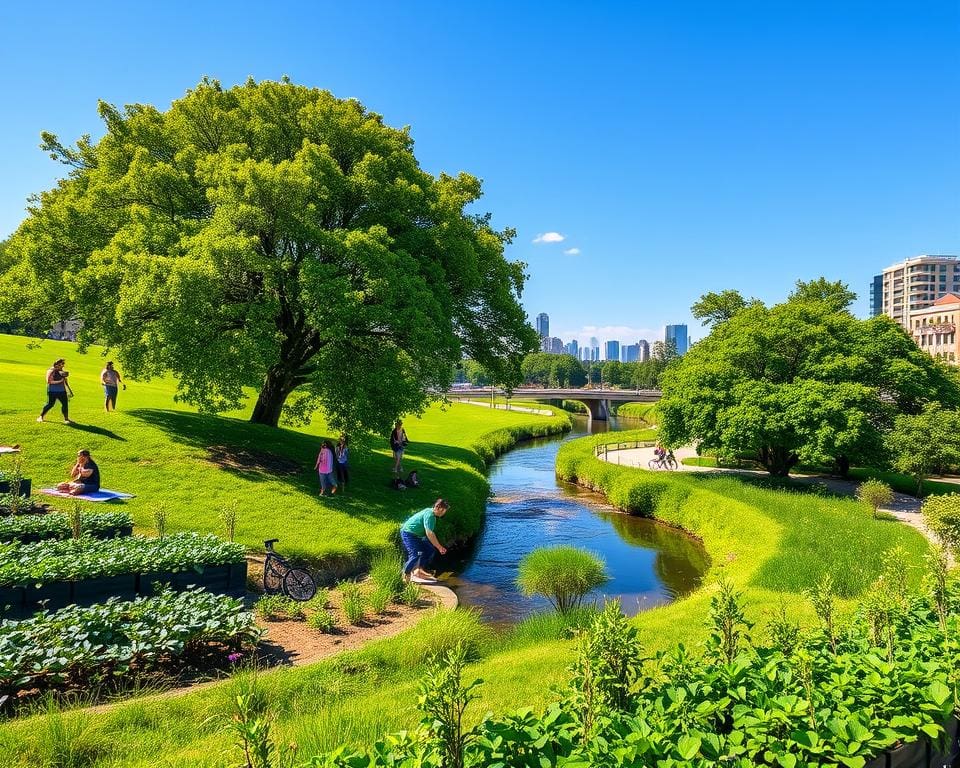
(325, 468)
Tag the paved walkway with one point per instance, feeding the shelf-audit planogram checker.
(905, 508)
(508, 407)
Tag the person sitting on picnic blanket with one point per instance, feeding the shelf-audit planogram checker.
(84, 477)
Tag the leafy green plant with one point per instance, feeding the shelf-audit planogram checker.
(251, 725)
(322, 620)
(319, 601)
(564, 575)
(410, 594)
(875, 494)
(160, 520)
(386, 572)
(825, 605)
(76, 518)
(57, 525)
(352, 602)
(728, 621)
(941, 514)
(444, 698)
(229, 514)
(278, 608)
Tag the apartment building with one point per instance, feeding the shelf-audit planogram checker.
(916, 283)
(934, 328)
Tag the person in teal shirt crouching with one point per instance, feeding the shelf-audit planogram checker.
(420, 541)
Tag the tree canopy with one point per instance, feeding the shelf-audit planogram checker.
(273, 237)
(800, 381)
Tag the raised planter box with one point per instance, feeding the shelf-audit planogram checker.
(25, 487)
(52, 596)
(922, 753)
(238, 579)
(11, 603)
(90, 591)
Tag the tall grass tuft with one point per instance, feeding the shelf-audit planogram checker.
(386, 572)
(563, 575)
(439, 632)
(68, 740)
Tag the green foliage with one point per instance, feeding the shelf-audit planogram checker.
(75, 517)
(564, 575)
(941, 514)
(251, 726)
(549, 370)
(322, 620)
(279, 608)
(443, 699)
(410, 594)
(352, 601)
(76, 559)
(57, 525)
(386, 572)
(229, 514)
(798, 383)
(926, 442)
(546, 626)
(875, 494)
(440, 632)
(298, 245)
(319, 601)
(715, 308)
(644, 412)
(379, 599)
(160, 520)
(728, 622)
(52, 650)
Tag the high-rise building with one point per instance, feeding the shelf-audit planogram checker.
(630, 353)
(677, 334)
(876, 296)
(556, 345)
(644, 351)
(543, 325)
(934, 328)
(573, 348)
(916, 283)
(612, 350)
(594, 349)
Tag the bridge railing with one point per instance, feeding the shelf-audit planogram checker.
(601, 451)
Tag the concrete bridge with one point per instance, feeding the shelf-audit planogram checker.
(597, 401)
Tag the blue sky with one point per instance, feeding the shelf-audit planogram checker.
(678, 147)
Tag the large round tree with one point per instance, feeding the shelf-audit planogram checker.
(270, 236)
(802, 381)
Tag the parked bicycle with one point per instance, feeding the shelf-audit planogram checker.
(667, 461)
(279, 577)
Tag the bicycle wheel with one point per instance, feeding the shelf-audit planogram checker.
(652, 464)
(299, 585)
(671, 463)
(272, 576)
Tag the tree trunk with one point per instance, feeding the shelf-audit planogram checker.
(843, 465)
(277, 386)
(778, 461)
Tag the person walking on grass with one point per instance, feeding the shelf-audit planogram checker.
(421, 542)
(57, 390)
(324, 466)
(398, 444)
(343, 462)
(84, 476)
(110, 378)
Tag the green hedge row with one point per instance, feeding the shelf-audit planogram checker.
(56, 525)
(85, 558)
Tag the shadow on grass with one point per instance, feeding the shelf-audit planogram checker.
(443, 469)
(95, 430)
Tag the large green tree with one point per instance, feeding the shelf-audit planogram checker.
(274, 237)
(802, 381)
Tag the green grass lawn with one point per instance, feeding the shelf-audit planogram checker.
(162, 452)
(773, 543)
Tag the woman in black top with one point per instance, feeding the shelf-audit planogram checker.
(84, 477)
(56, 390)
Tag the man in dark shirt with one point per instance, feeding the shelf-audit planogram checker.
(84, 477)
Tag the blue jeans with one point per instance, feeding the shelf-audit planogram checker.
(419, 551)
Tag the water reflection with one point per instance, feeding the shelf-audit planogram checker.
(649, 563)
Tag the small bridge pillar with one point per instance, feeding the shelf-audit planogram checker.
(599, 409)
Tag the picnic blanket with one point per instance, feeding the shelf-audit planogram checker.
(102, 495)
(8, 449)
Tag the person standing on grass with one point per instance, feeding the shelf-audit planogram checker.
(324, 465)
(421, 543)
(398, 444)
(343, 462)
(57, 390)
(84, 477)
(110, 378)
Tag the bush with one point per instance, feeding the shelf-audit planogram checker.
(378, 600)
(942, 516)
(440, 631)
(319, 601)
(352, 602)
(386, 572)
(561, 574)
(875, 494)
(278, 608)
(322, 620)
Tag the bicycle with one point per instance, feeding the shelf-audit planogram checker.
(280, 577)
(668, 462)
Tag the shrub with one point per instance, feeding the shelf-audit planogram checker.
(439, 633)
(561, 574)
(319, 601)
(875, 494)
(386, 572)
(322, 620)
(409, 595)
(942, 516)
(278, 608)
(378, 600)
(352, 602)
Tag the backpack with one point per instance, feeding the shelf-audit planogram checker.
(412, 480)
(397, 484)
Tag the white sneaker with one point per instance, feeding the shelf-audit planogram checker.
(422, 580)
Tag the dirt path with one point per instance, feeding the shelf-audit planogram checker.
(905, 508)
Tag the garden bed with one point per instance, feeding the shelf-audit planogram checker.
(55, 574)
(29, 529)
(109, 647)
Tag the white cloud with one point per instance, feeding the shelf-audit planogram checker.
(572, 252)
(549, 237)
